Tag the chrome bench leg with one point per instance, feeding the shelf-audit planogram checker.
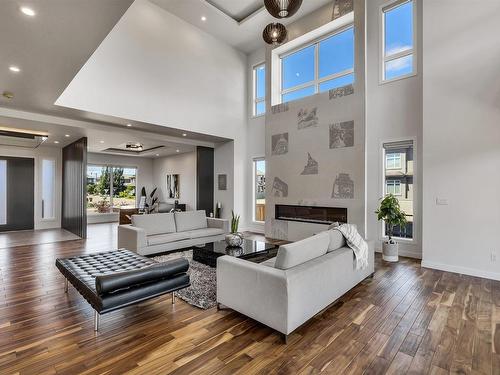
(65, 285)
(173, 298)
(96, 321)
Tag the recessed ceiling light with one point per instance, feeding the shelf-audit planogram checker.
(101, 141)
(177, 150)
(14, 69)
(129, 125)
(28, 11)
(66, 135)
(56, 142)
(184, 134)
(157, 155)
(203, 18)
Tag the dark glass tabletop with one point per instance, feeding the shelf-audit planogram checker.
(209, 252)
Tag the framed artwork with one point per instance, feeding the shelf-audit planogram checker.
(173, 186)
(222, 181)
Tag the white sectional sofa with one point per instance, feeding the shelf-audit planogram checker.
(157, 233)
(286, 291)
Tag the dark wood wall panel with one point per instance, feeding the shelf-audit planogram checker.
(74, 210)
(20, 194)
(205, 179)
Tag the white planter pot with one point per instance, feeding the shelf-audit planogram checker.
(390, 251)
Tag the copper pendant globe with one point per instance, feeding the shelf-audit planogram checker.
(274, 33)
(282, 8)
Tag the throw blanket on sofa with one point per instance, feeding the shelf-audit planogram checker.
(356, 243)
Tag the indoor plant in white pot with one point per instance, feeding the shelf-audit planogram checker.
(391, 213)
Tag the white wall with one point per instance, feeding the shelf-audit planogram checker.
(144, 168)
(393, 112)
(156, 68)
(185, 166)
(256, 140)
(39, 154)
(316, 190)
(224, 164)
(461, 136)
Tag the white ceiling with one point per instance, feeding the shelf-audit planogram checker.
(50, 49)
(237, 9)
(223, 15)
(100, 139)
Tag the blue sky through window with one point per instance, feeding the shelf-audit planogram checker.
(298, 94)
(336, 53)
(336, 82)
(298, 68)
(260, 76)
(399, 29)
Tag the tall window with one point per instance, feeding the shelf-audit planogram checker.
(398, 40)
(109, 187)
(3, 192)
(259, 167)
(48, 188)
(318, 67)
(259, 90)
(398, 180)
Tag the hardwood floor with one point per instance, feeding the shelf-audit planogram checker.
(406, 319)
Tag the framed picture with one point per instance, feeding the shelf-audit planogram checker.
(222, 180)
(173, 186)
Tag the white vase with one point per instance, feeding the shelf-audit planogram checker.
(390, 251)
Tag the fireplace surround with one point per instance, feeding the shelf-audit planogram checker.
(311, 214)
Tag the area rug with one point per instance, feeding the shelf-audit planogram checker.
(203, 290)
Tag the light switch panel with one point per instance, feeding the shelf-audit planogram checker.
(441, 201)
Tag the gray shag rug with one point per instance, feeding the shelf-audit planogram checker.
(203, 290)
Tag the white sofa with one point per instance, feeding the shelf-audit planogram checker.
(286, 291)
(157, 233)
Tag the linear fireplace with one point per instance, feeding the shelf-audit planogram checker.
(311, 214)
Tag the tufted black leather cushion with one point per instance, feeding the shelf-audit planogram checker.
(126, 275)
(111, 282)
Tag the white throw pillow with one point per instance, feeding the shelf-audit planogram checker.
(337, 240)
(300, 252)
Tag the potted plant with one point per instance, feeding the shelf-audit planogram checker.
(390, 212)
(234, 239)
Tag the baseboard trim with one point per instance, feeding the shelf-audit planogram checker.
(462, 270)
(405, 253)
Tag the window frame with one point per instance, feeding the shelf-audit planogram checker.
(416, 181)
(4, 192)
(254, 187)
(255, 99)
(112, 167)
(54, 194)
(316, 82)
(394, 159)
(393, 182)
(413, 51)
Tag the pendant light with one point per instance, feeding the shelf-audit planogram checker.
(282, 8)
(274, 33)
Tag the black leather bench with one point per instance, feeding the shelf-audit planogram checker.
(115, 279)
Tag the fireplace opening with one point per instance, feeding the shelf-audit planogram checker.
(311, 214)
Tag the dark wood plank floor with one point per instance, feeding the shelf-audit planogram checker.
(406, 319)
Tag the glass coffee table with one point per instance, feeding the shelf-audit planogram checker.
(249, 249)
